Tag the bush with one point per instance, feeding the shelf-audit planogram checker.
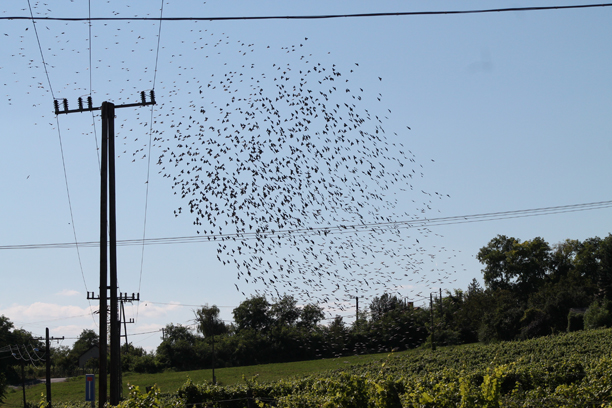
(598, 315)
(146, 364)
(535, 323)
(2, 388)
(575, 321)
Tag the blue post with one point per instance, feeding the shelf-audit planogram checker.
(90, 388)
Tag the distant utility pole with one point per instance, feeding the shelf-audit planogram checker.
(123, 298)
(48, 362)
(357, 308)
(107, 216)
(433, 340)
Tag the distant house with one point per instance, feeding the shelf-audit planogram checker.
(92, 352)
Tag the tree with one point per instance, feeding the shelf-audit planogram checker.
(310, 316)
(285, 311)
(502, 319)
(563, 259)
(604, 255)
(209, 322)
(515, 266)
(9, 336)
(210, 325)
(253, 313)
(384, 304)
(5, 339)
(599, 314)
(87, 339)
(178, 348)
(470, 306)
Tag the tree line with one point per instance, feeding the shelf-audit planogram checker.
(530, 289)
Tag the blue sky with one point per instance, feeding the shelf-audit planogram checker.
(507, 111)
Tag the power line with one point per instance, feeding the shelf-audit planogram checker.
(317, 17)
(91, 82)
(180, 304)
(144, 228)
(338, 229)
(59, 134)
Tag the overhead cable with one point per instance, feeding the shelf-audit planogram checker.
(337, 229)
(59, 134)
(319, 16)
(146, 206)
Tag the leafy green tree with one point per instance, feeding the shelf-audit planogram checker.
(253, 313)
(209, 322)
(64, 365)
(384, 304)
(178, 348)
(502, 320)
(285, 311)
(392, 325)
(599, 314)
(604, 255)
(563, 259)
(514, 265)
(464, 310)
(5, 339)
(310, 316)
(9, 336)
(586, 261)
(137, 359)
(87, 339)
(555, 300)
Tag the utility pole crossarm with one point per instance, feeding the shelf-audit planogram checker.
(90, 107)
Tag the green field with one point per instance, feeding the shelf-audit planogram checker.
(568, 369)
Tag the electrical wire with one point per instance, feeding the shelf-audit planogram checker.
(93, 118)
(59, 134)
(144, 228)
(31, 360)
(91, 84)
(20, 355)
(180, 304)
(338, 229)
(60, 318)
(38, 358)
(320, 17)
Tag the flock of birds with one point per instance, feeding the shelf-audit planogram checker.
(289, 166)
(281, 156)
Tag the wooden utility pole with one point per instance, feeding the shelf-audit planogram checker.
(25, 404)
(107, 218)
(48, 362)
(213, 361)
(48, 367)
(433, 339)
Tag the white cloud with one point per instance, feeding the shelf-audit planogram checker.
(40, 312)
(148, 309)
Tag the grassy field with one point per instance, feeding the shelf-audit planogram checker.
(74, 388)
(566, 369)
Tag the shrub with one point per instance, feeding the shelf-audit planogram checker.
(575, 321)
(598, 315)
